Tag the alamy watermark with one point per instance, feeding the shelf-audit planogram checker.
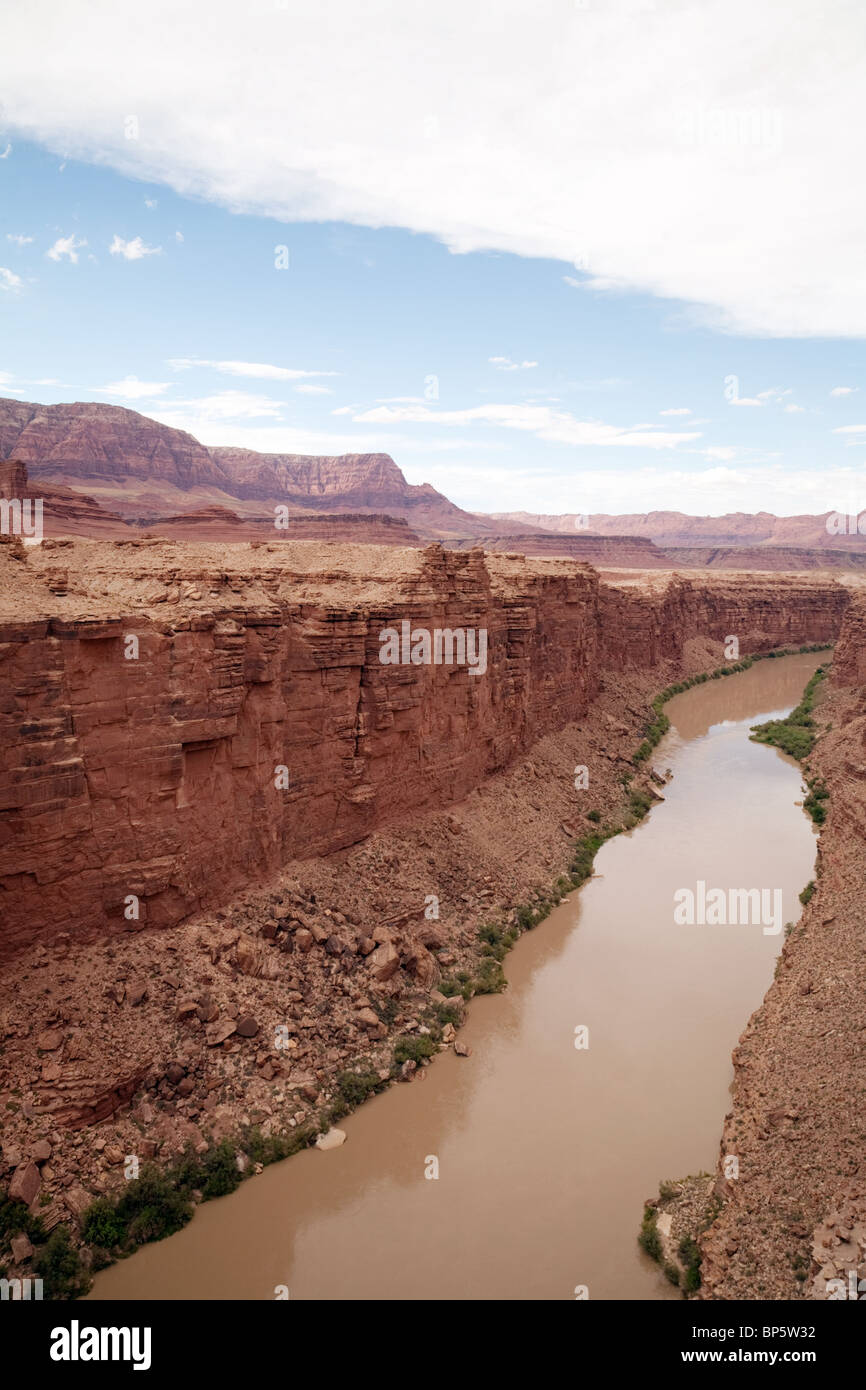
(720, 907)
(21, 518)
(846, 524)
(459, 646)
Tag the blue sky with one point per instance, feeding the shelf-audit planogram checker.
(506, 378)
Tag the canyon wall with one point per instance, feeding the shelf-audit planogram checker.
(157, 776)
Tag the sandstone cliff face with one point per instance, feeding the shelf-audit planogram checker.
(87, 439)
(155, 776)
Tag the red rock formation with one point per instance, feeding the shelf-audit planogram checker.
(157, 778)
(64, 512)
(76, 1099)
(137, 460)
(87, 439)
(353, 482)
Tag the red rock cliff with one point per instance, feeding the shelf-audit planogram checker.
(155, 776)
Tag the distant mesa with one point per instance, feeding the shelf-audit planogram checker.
(145, 470)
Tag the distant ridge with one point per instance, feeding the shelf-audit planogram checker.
(678, 529)
(143, 469)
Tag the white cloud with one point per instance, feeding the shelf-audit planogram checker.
(844, 390)
(199, 414)
(66, 246)
(505, 364)
(850, 429)
(307, 390)
(18, 239)
(216, 421)
(676, 410)
(265, 371)
(746, 400)
(178, 236)
(639, 147)
(131, 389)
(9, 280)
(555, 426)
(6, 153)
(134, 250)
(151, 203)
(795, 409)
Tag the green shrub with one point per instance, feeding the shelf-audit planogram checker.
(355, 1087)
(221, 1172)
(16, 1219)
(691, 1257)
(491, 977)
(649, 1238)
(102, 1225)
(408, 1049)
(58, 1265)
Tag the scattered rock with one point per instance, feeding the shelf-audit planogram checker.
(25, 1184)
(332, 1140)
(217, 1033)
(384, 962)
(21, 1249)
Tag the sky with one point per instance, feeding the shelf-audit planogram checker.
(574, 256)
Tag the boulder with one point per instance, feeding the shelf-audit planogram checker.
(21, 1249)
(332, 1140)
(384, 962)
(25, 1184)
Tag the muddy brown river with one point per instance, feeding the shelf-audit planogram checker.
(546, 1152)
